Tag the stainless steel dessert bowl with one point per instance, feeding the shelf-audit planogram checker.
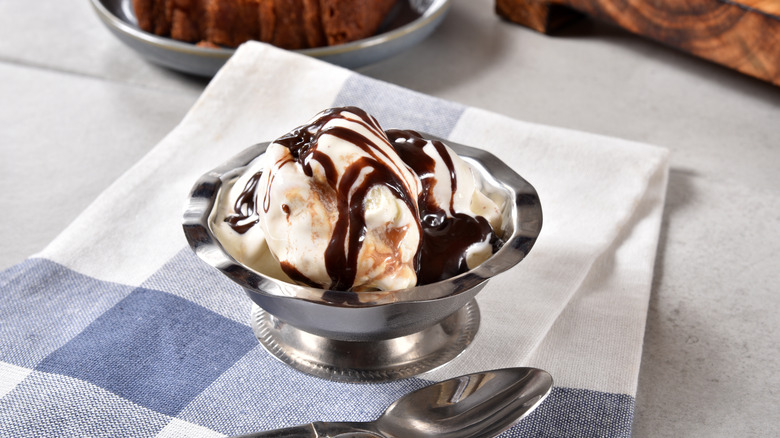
(368, 336)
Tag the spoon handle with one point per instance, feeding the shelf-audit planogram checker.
(318, 429)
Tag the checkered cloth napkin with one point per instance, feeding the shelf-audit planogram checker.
(117, 329)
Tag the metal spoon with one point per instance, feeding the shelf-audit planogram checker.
(475, 405)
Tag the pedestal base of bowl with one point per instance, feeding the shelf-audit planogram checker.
(367, 361)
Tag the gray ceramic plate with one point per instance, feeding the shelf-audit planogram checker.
(408, 24)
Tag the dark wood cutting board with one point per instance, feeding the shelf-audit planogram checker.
(740, 34)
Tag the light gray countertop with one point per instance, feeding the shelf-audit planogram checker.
(77, 108)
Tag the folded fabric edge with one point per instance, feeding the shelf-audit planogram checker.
(481, 124)
(604, 321)
(659, 178)
(190, 150)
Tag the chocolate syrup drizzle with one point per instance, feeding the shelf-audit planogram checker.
(444, 238)
(245, 216)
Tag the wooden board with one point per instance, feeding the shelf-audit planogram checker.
(740, 34)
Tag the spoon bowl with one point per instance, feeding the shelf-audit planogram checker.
(474, 405)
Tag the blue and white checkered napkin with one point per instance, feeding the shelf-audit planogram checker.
(117, 329)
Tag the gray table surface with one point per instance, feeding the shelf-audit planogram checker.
(77, 109)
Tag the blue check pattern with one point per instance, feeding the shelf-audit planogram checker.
(83, 357)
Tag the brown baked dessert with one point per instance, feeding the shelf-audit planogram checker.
(290, 24)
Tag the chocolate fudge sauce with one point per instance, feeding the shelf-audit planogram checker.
(245, 216)
(445, 237)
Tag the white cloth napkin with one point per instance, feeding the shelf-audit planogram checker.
(576, 306)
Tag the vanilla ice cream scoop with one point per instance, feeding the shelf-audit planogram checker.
(340, 204)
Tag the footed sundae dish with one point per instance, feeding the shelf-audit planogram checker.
(362, 248)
